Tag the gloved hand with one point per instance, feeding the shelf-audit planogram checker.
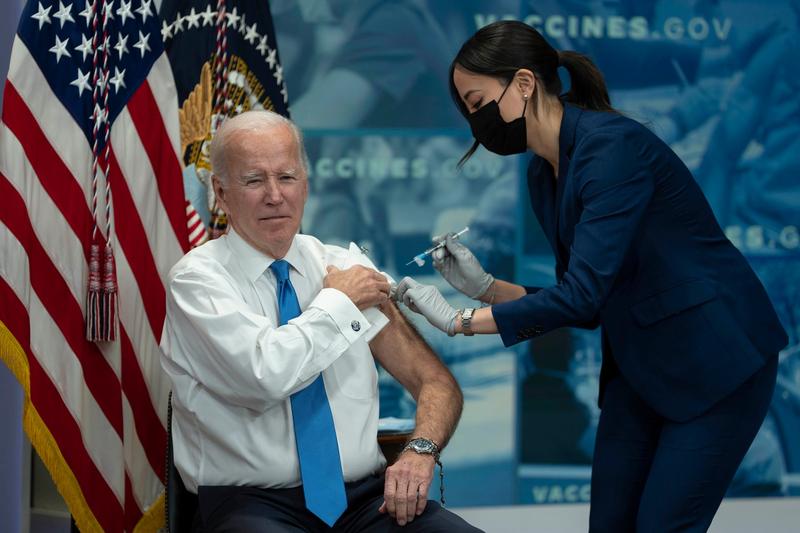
(429, 302)
(460, 268)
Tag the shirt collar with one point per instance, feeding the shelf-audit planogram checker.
(254, 262)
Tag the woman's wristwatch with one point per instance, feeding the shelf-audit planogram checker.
(466, 321)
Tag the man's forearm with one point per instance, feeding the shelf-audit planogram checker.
(438, 410)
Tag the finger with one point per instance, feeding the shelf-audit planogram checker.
(382, 508)
(411, 501)
(385, 287)
(332, 268)
(408, 299)
(436, 239)
(399, 291)
(422, 497)
(401, 502)
(377, 276)
(389, 491)
(453, 246)
(439, 255)
(377, 300)
(405, 284)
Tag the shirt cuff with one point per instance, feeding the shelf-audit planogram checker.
(352, 323)
(378, 320)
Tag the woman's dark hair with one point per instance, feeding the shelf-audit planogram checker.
(503, 47)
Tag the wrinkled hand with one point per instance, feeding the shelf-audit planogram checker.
(460, 268)
(365, 287)
(429, 302)
(405, 493)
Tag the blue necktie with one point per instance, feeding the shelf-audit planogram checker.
(314, 433)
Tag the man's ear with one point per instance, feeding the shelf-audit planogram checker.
(219, 191)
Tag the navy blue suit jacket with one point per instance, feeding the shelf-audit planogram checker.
(639, 252)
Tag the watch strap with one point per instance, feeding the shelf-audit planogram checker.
(423, 446)
(466, 321)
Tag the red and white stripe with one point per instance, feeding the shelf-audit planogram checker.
(104, 404)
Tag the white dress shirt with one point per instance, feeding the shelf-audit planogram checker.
(233, 369)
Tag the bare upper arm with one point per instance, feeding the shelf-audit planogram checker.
(405, 354)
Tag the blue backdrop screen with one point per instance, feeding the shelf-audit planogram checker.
(717, 80)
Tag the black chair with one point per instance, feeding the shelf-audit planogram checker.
(180, 505)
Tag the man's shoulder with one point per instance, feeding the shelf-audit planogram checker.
(318, 249)
(309, 242)
(209, 257)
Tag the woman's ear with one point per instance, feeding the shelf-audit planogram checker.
(525, 81)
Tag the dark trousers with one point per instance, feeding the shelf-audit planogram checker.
(651, 474)
(254, 510)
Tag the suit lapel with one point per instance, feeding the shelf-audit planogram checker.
(541, 188)
(566, 142)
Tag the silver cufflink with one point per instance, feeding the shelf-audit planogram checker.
(356, 325)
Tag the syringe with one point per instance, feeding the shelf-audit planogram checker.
(420, 259)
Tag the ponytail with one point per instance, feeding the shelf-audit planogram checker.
(503, 47)
(587, 86)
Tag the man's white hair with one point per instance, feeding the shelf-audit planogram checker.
(250, 120)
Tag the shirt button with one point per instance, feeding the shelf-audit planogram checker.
(356, 325)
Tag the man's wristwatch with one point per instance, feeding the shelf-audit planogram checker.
(466, 321)
(423, 446)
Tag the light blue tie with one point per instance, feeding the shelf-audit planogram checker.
(314, 433)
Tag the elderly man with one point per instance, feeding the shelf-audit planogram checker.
(269, 342)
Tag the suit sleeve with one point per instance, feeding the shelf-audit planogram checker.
(615, 186)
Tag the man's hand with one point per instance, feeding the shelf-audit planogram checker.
(429, 302)
(365, 287)
(405, 493)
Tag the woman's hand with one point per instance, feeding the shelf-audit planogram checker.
(460, 268)
(429, 302)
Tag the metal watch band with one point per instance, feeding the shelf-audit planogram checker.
(466, 321)
(424, 446)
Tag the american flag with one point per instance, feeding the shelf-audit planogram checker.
(95, 412)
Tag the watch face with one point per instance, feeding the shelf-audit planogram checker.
(422, 446)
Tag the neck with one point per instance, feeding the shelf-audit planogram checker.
(544, 131)
(274, 250)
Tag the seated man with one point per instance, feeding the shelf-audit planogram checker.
(269, 342)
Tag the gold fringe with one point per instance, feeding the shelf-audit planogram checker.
(15, 358)
(62, 475)
(42, 440)
(45, 444)
(153, 519)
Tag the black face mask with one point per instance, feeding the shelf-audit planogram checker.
(494, 133)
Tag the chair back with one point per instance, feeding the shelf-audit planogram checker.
(180, 505)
